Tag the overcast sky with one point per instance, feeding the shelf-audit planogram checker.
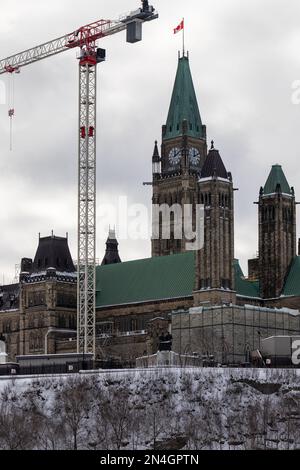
(244, 57)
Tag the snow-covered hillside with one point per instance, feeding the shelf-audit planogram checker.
(159, 408)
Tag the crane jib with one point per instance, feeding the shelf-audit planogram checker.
(81, 37)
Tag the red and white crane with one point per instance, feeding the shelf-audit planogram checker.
(85, 38)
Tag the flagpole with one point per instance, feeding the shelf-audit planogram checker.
(183, 38)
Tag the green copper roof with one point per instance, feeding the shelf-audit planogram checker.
(158, 278)
(164, 277)
(184, 105)
(276, 177)
(292, 284)
(244, 287)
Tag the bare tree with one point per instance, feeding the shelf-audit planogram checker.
(115, 415)
(15, 424)
(71, 409)
(155, 425)
(136, 427)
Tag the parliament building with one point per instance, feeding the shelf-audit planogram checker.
(201, 296)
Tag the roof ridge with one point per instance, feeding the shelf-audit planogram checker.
(150, 258)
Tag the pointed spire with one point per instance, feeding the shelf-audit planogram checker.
(213, 165)
(184, 105)
(156, 161)
(112, 252)
(277, 182)
(156, 156)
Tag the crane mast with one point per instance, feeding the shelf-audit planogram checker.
(86, 230)
(90, 56)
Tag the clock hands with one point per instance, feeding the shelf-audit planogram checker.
(175, 156)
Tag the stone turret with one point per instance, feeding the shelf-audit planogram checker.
(112, 252)
(277, 232)
(214, 262)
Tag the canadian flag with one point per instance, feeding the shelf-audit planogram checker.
(179, 27)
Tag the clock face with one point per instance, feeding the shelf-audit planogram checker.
(174, 156)
(194, 156)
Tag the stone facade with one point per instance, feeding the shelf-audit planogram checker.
(45, 304)
(214, 262)
(277, 240)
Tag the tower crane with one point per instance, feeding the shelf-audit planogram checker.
(85, 38)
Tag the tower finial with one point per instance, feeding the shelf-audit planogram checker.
(112, 233)
(212, 145)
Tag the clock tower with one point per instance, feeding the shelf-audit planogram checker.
(176, 171)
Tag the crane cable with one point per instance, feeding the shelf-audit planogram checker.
(11, 104)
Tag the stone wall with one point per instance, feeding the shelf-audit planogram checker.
(214, 297)
(44, 304)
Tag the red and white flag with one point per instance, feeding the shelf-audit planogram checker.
(180, 27)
